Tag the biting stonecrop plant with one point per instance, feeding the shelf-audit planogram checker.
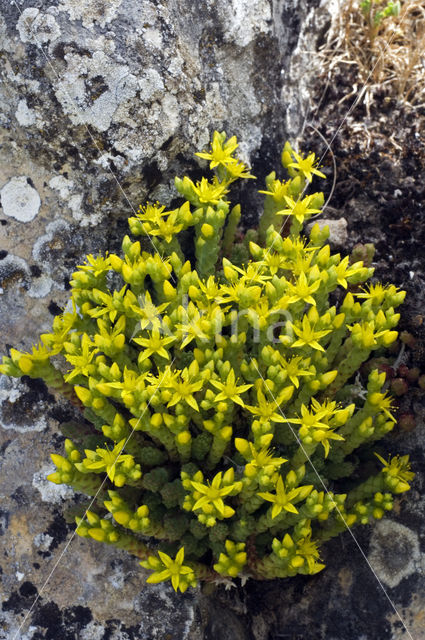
(226, 426)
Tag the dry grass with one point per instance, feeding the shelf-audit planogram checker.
(390, 55)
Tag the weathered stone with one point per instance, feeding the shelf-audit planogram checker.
(338, 234)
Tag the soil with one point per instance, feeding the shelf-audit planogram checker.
(380, 157)
(380, 190)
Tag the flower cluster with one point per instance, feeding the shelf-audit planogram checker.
(222, 392)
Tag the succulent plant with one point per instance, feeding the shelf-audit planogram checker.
(228, 418)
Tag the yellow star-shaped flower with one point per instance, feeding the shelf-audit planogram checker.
(154, 345)
(105, 459)
(221, 151)
(282, 499)
(229, 390)
(307, 335)
(300, 209)
(302, 290)
(165, 568)
(307, 166)
(213, 495)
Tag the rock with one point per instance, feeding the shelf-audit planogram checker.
(338, 234)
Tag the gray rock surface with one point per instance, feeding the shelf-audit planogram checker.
(338, 235)
(103, 102)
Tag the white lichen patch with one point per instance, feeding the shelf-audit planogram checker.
(91, 89)
(74, 201)
(10, 622)
(40, 287)
(246, 19)
(394, 552)
(24, 115)
(214, 100)
(14, 271)
(170, 108)
(150, 85)
(91, 12)
(36, 27)
(117, 577)
(106, 158)
(11, 391)
(43, 541)
(93, 631)
(50, 492)
(47, 240)
(7, 44)
(153, 37)
(19, 199)
(62, 185)
(104, 43)
(143, 143)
